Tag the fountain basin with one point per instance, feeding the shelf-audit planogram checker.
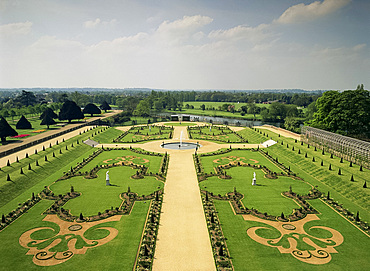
(180, 145)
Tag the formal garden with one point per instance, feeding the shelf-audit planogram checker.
(288, 217)
(215, 133)
(74, 204)
(291, 205)
(137, 134)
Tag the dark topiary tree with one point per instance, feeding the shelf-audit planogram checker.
(105, 106)
(70, 111)
(23, 123)
(339, 172)
(357, 218)
(6, 130)
(365, 185)
(352, 179)
(48, 111)
(328, 197)
(47, 120)
(91, 109)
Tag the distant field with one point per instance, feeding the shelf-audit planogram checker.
(216, 112)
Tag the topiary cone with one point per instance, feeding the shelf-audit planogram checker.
(365, 185)
(352, 179)
(8, 178)
(8, 163)
(21, 172)
(29, 167)
(37, 163)
(221, 251)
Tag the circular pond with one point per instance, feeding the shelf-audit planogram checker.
(181, 146)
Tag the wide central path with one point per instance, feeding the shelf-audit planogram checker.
(183, 241)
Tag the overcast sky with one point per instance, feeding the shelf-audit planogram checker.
(193, 44)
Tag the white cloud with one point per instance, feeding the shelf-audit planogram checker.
(182, 29)
(92, 24)
(301, 12)
(15, 29)
(240, 32)
(97, 22)
(359, 47)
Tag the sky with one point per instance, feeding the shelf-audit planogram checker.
(194, 44)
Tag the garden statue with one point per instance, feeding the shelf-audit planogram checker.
(254, 179)
(107, 178)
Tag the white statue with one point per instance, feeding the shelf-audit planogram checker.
(254, 179)
(107, 178)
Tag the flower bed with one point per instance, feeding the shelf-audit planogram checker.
(145, 255)
(20, 136)
(220, 252)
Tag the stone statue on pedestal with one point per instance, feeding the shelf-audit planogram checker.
(254, 179)
(107, 178)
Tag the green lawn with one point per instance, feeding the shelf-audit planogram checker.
(252, 136)
(108, 135)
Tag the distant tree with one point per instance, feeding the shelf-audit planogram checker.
(158, 106)
(91, 109)
(26, 98)
(6, 130)
(23, 123)
(346, 112)
(142, 109)
(203, 107)
(105, 106)
(291, 124)
(70, 111)
(244, 109)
